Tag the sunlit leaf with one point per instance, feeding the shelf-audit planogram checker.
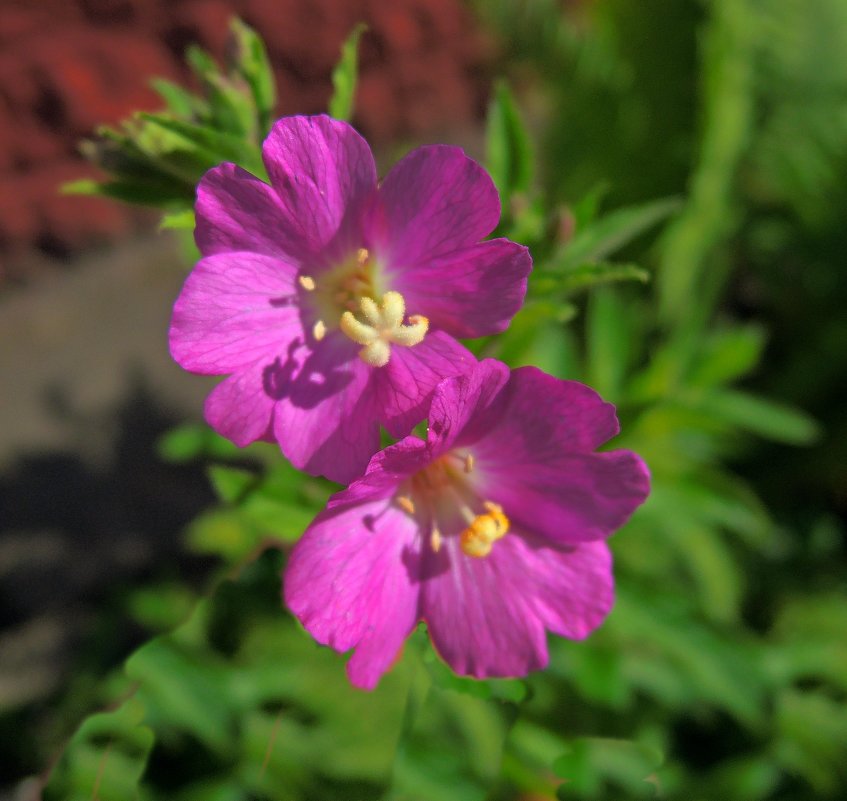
(345, 75)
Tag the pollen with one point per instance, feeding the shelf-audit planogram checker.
(406, 504)
(381, 325)
(435, 539)
(484, 530)
(319, 330)
(307, 282)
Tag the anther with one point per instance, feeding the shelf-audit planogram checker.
(307, 282)
(362, 255)
(469, 462)
(479, 537)
(435, 539)
(319, 330)
(406, 504)
(383, 327)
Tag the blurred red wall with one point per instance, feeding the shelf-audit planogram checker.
(68, 65)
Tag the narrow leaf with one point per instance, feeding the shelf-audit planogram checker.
(344, 76)
(508, 146)
(251, 62)
(611, 232)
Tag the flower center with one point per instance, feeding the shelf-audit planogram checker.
(441, 496)
(347, 297)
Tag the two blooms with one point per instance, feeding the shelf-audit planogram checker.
(334, 304)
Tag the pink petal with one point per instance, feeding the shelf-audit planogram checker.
(569, 499)
(237, 211)
(324, 174)
(353, 581)
(464, 409)
(470, 292)
(240, 409)
(432, 202)
(487, 617)
(405, 385)
(327, 422)
(234, 309)
(546, 416)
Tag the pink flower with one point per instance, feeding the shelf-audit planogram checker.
(332, 302)
(492, 530)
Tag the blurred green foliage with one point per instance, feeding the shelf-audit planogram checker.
(716, 135)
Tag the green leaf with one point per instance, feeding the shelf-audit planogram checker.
(611, 232)
(609, 343)
(105, 759)
(178, 220)
(251, 62)
(181, 682)
(585, 276)
(508, 147)
(137, 192)
(192, 441)
(759, 416)
(180, 102)
(591, 763)
(727, 355)
(231, 483)
(344, 76)
(214, 146)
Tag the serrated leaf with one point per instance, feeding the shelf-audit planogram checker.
(345, 75)
(508, 146)
(611, 232)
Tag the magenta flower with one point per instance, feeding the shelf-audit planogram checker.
(492, 531)
(332, 302)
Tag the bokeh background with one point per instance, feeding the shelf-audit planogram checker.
(727, 654)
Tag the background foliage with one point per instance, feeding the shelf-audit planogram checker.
(680, 186)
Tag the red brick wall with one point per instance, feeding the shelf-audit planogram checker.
(69, 65)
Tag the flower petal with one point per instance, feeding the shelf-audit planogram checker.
(353, 578)
(234, 309)
(240, 409)
(327, 422)
(470, 292)
(569, 499)
(405, 385)
(466, 407)
(546, 416)
(432, 202)
(237, 211)
(324, 175)
(487, 617)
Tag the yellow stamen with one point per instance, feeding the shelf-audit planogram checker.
(435, 539)
(362, 255)
(406, 504)
(307, 282)
(485, 529)
(383, 327)
(319, 330)
(469, 462)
